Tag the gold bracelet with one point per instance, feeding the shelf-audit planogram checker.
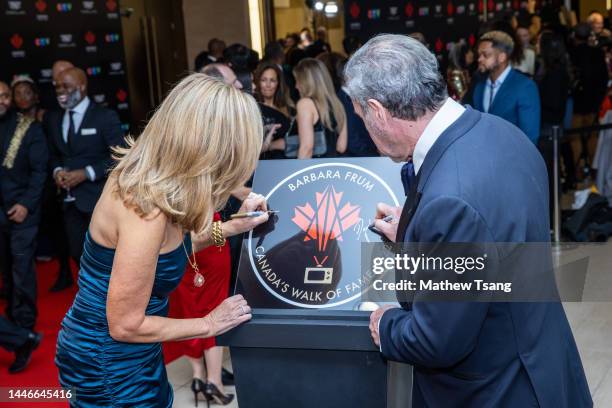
(217, 234)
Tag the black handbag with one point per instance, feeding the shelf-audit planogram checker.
(292, 142)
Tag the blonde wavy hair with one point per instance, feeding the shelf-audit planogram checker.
(316, 84)
(202, 142)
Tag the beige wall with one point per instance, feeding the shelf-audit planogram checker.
(206, 19)
(291, 19)
(587, 6)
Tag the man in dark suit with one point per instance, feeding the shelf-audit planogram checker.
(23, 170)
(20, 341)
(471, 177)
(503, 91)
(81, 136)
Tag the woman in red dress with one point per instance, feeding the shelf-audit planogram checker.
(191, 300)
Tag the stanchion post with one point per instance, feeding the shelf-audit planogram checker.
(557, 132)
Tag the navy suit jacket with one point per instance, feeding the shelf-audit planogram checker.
(24, 182)
(99, 131)
(517, 101)
(474, 188)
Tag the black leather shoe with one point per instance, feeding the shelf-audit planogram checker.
(23, 354)
(227, 378)
(64, 281)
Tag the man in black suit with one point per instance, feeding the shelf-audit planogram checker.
(81, 136)
(23, 170)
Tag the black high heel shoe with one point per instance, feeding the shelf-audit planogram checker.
(198, 386)
(212, 393)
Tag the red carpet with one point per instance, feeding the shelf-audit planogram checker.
(51, 310)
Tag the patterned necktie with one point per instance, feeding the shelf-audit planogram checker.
(491, 95)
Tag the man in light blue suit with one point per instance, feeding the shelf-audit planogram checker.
(504, 91)
(470, 177)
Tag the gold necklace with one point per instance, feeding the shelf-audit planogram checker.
(198, 278)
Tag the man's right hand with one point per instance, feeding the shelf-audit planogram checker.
(59, 178)
(388, 228)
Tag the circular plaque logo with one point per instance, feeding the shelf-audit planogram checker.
(309, 254)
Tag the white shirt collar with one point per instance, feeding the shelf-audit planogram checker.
(81, 107)
(444, 117)
(501, 78)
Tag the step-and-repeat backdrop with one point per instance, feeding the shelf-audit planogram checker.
(35, 33)
(441, 21)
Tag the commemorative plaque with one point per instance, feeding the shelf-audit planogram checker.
(301, 274)
(308, 254)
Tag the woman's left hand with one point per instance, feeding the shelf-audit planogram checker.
(254, 202)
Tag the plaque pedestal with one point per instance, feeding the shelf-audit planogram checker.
(313, 358)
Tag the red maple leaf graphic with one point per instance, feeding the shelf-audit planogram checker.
(16, 41)
(90, 37)
(354, 10)
(121, 95)
(328, 221)
(472, 40)
(41, 6)
(409, 10)
(450, 9)
(111, 5)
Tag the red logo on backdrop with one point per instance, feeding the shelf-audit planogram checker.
(354, 10)
(516, 4)
(111, 5)
(329, 220)
(450, 9)
(472, 40)
(90, 37)
(409, 10)
(121, 95)
(491, 5)
(480, 6)
(16, 41)
(41, 6)
(439, 45)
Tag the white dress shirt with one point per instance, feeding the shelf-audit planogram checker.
(77, 118)
(498, 83)
(444, 117)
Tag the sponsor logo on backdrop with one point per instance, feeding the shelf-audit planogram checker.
(125, 127)
(111, 8)
(324, 229)
(491, 6)
(66, 41)
(438, 10)
(90, 39)
(111, 38)
(99, 98)
(355, 26)
(439, 46)
(94, 71)
(64, 7)
(14, 8)
(45, 76)
(89, 7)
(17, 42)
(374, 14)
(423, 11)
(499, 6)
(122, 99)
(41, 42)
(409, 10)
(354, 10)
(116, 68)
(450, 9)
(461, 9)
(41, 7)
(393, 13)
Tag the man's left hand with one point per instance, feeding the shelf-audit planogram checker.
(374, 319)
(74, 177)
(17, 213)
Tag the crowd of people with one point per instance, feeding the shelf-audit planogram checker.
(529, 69)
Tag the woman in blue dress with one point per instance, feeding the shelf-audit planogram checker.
(155, 212)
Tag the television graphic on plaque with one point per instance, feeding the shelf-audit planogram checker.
(308, 254)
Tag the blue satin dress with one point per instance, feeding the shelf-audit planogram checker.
(105, 372)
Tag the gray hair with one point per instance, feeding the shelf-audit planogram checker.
(213, 70)
(400, 73)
